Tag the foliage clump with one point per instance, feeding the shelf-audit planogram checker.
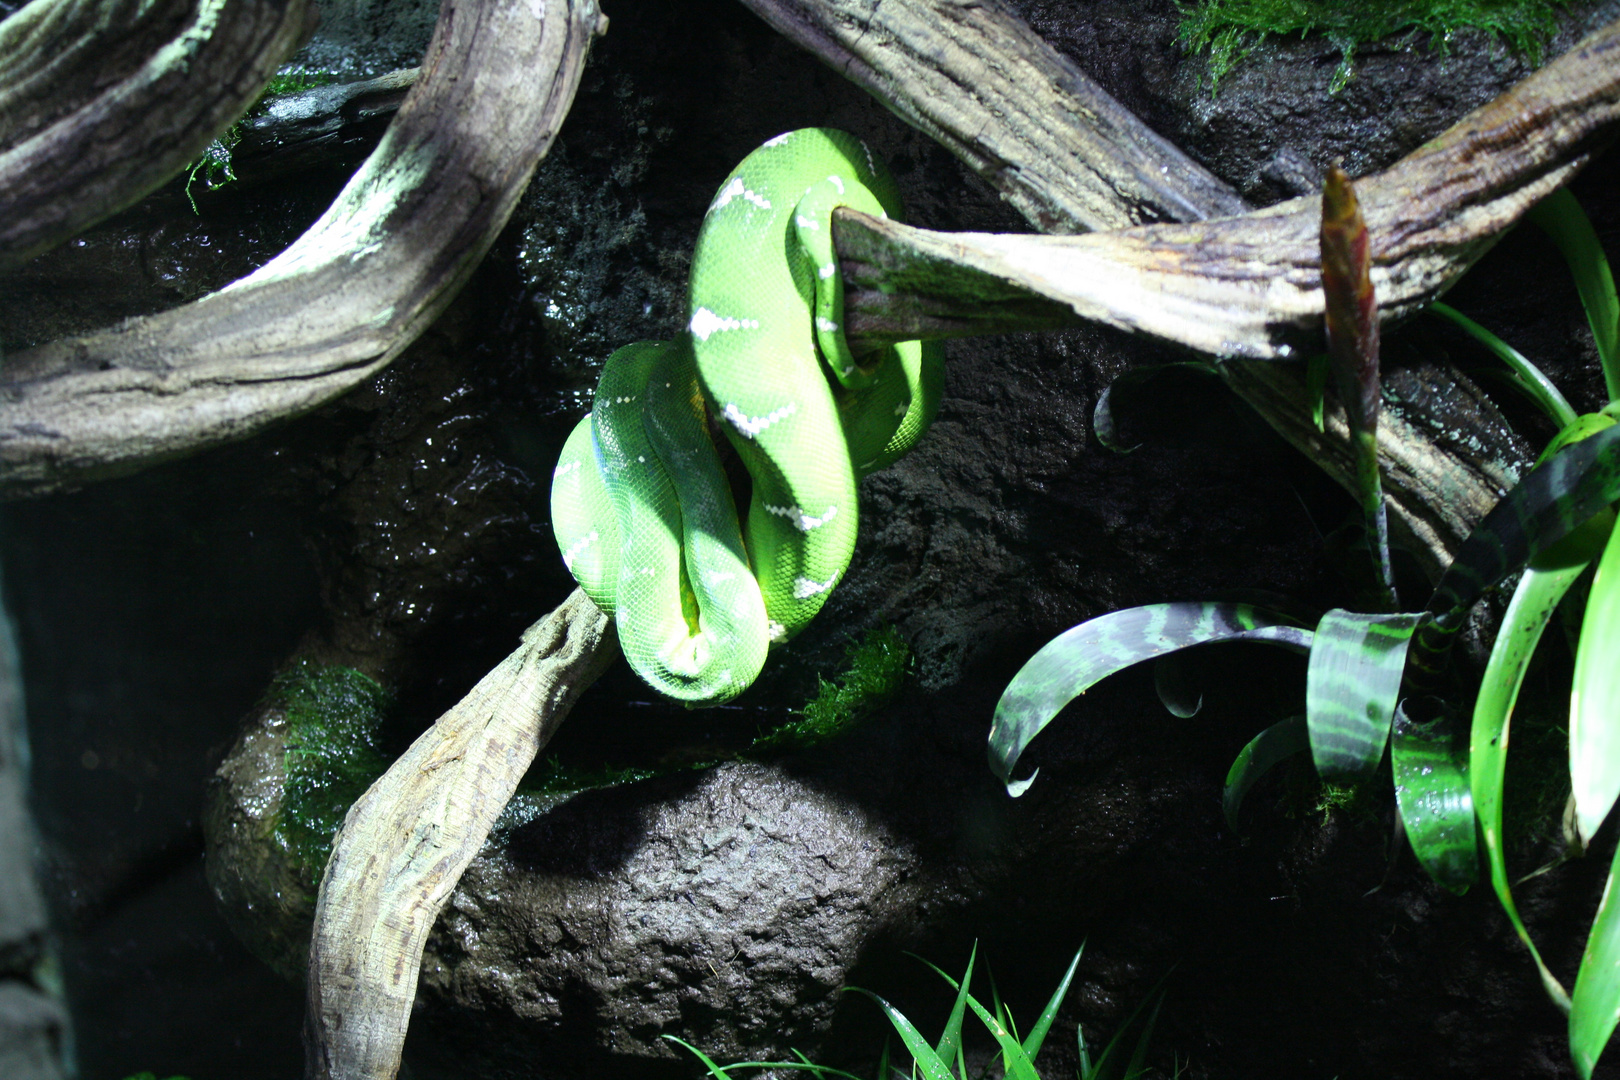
(1230, 29)
(877, 666)
(214, 166)
(333, 714)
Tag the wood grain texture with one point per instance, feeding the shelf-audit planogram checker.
(406, 841)
(346, 298)
(1023, 116)
(101, 101)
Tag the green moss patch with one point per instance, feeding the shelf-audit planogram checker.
(1230, 29)
(333, 716)
(876, 669)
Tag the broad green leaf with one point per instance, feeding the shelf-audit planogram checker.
(1552, 501)
(1265, 750)
(1528, 614)
(1176, 685)
(1043, 1023)
(1561, 217)
(1595, 1007)
(1074, 661)
(1594, 704)
(1530, 378)
(933, 1068)
(1352, 683)
(1430, 766)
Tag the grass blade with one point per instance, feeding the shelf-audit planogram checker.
(1352, 683)
(1138, 1062)
(1043, 1023)
(1556, 498)
(1595, 1008)
(1074, 661)
(1015, 1063)
(949, 1046)
(1530, 378)
(933, 1068)
(1528, 614)
(1594, 705)
(1430, 766)
(1265, 750)
(1561, 217)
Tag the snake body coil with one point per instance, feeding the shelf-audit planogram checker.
(640, 503)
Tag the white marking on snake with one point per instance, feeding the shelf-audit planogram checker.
(828, 271)
(775, 630)
(711, 578)
(642, 458)
(705, 322)
(806, 223)
(900, 409)
(826, 325)
(780, 139)
(751, 426)
(577, 547)
(737, 189)
(837, 183)
(564, 469)
(801, 520)
(871, 166)
(804, 588)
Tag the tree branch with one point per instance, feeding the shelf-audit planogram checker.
(341, 302)
(102, 101)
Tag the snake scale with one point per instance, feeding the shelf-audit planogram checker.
(641, 504)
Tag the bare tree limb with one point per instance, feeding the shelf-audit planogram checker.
(101, 101)
(341, 302)
(1022, 115)
(406, 841)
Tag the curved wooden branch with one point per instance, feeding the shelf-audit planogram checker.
(341, 302)
(101, 101)
(406, 841)
(1019, 113)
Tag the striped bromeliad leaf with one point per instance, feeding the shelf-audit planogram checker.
(1352, 684)
(1430, 766)
(1594, 704)
(1528, 614)
(1074, 661)
(1555, 499)
(1273, 745)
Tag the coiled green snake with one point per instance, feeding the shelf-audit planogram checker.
(641, 505)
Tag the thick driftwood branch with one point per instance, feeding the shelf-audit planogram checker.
(340, 303)
(1018, 112)
(101, 101)
(1250, 285)
(405, 843)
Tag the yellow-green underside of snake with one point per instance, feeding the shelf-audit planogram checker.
(640, 503)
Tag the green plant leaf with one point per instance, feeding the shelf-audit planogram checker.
(1104, 423)
(1561, 217)
(1595, 1007)
(932, 1066)
(1015, 1063)
(708, 1063)
(1043, 1023)
(949, 1046)
(1528, 614)
(1594, 704)
(1074, 661)
(1317, 368)
(1352, 683)
(1174, 681)
(1430, 766)
(1552, 501)
(1279, 741)
(1530, 378)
